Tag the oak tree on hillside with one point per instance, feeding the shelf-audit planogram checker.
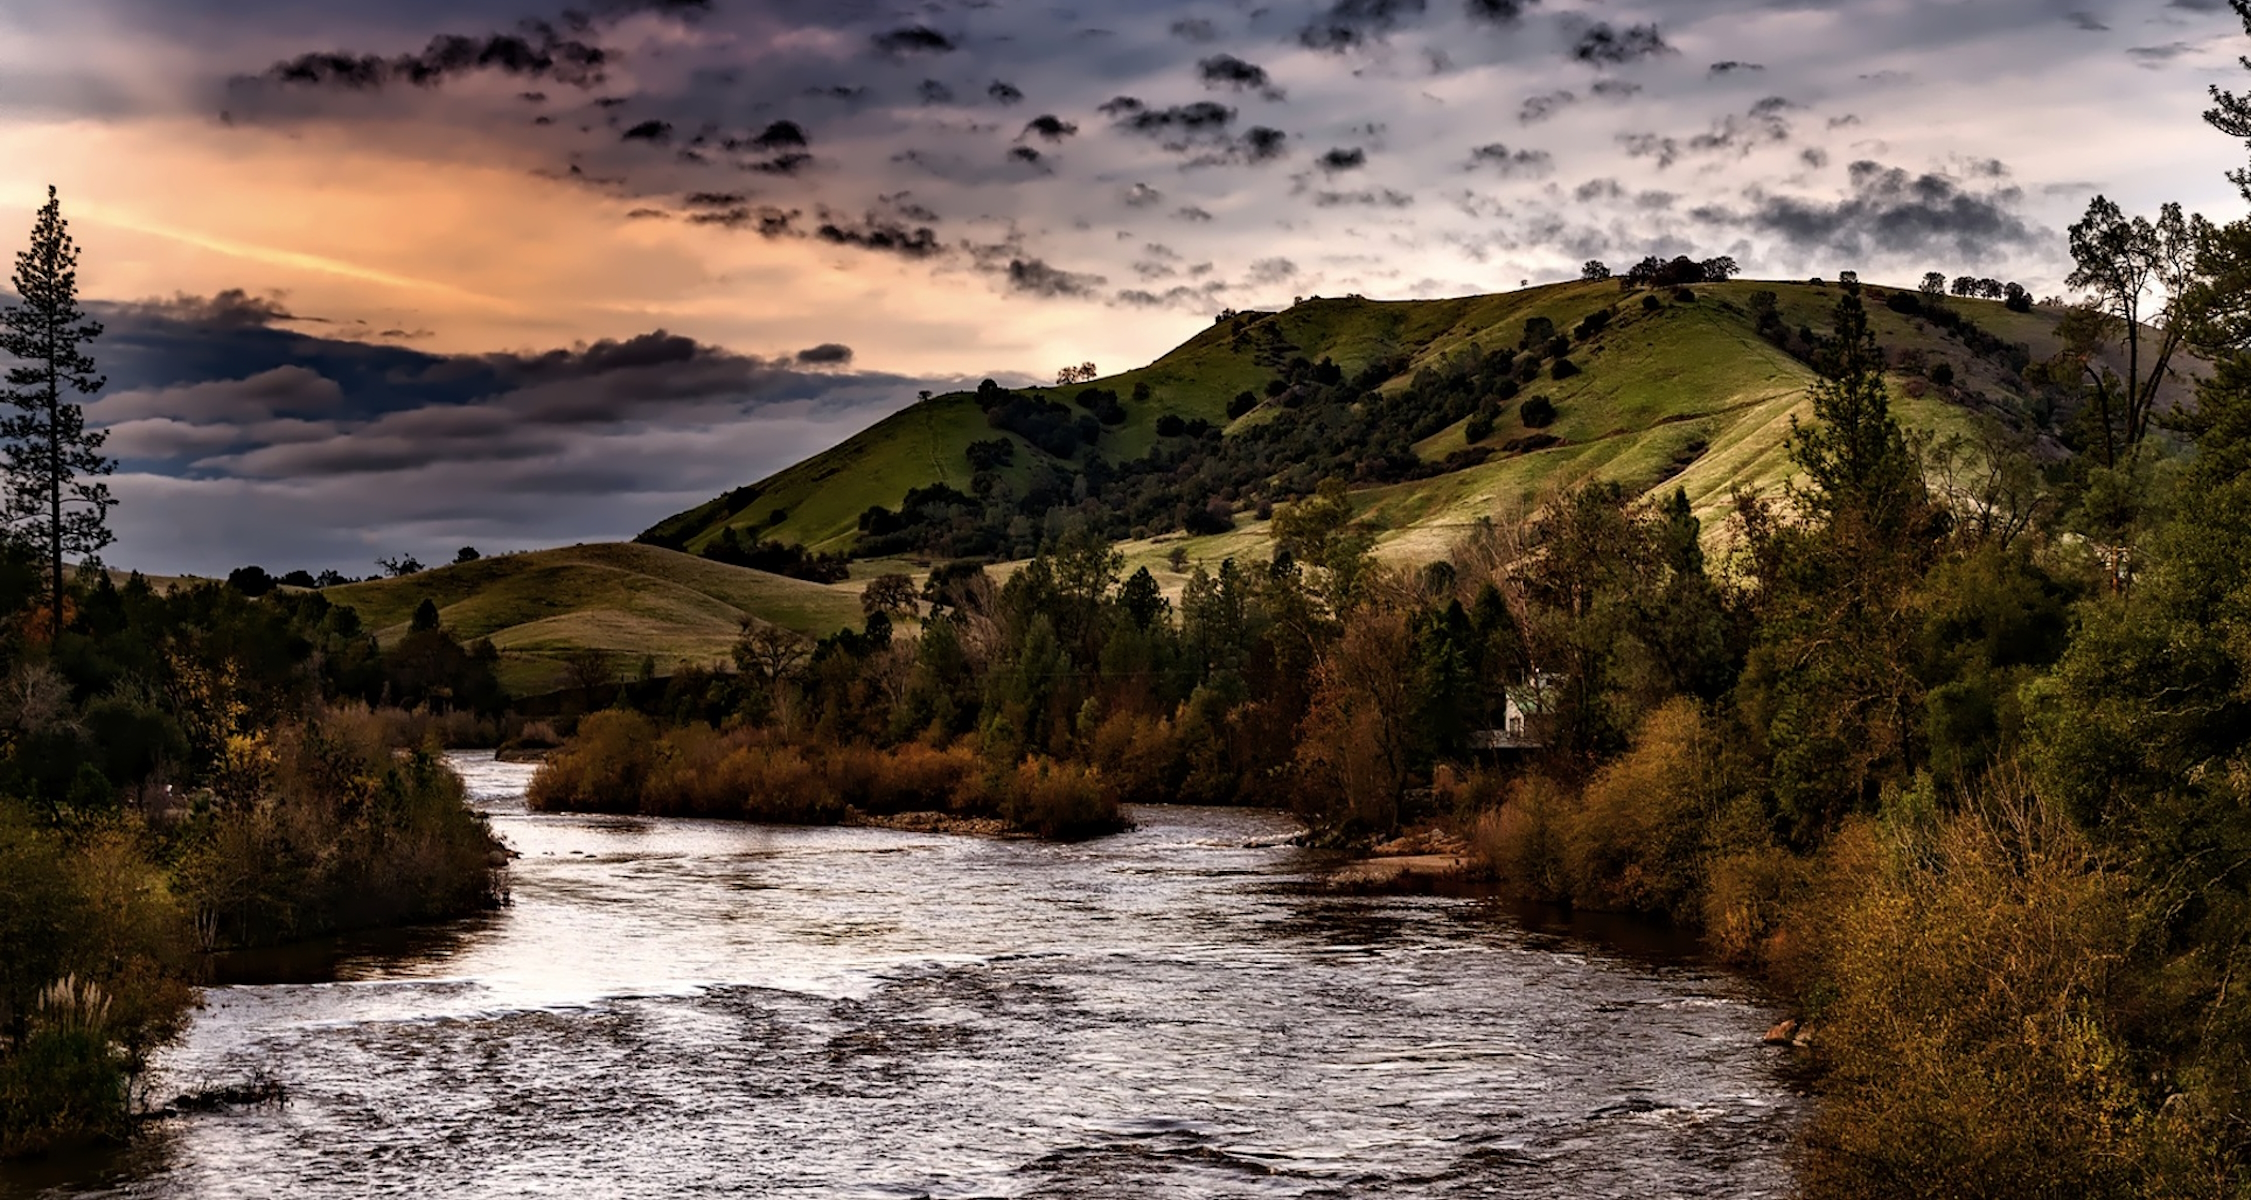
(51, 464)
(2137, 274)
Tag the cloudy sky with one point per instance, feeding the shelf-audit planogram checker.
(410, 275)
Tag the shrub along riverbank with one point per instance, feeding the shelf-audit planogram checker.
(182, 774)
(620, 761)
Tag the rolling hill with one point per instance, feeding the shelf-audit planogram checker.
(627, 600)
(1680, 388)
(1694, 389)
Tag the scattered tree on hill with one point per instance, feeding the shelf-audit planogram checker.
(893, 595)
(2138, 275)
(425, 619)
(1082, 373)
(250, 581)
(1594, 271)
(51, 464)
(400, 566)
(1934, 284)
(467, 554)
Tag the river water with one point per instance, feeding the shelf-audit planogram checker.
(688, 1008)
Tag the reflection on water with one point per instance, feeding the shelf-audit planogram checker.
(693, 1008)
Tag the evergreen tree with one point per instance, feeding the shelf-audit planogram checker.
(52, 464)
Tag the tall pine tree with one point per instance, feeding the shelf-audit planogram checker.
(50, 465)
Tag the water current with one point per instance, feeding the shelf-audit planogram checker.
(689, 1008)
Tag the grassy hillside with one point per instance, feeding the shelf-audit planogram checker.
(1688, 393)
(628, 601)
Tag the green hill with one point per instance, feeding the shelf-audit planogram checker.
(629, 601)
(1687, 390)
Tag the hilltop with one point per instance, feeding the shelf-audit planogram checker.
(1438, 411)
(628, 601)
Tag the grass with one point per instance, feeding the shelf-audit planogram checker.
(627, 600)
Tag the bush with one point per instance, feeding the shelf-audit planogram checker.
(312, 833)
(1564, 368)
(1970, 1031)
(604, 768)
(1537, 413)
(94, 957)
(1636, 840)
(1062, 801)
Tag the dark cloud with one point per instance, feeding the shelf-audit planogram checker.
(1191, 213)
(1049, 127)
(1343, 159)
(881, 233)
(1649, 145)
(290, 389)
(1261, 143)
(1374, 197)
(714, 199)
(1608, 47)
(783, 164)
(1890, 211)
(1179, 296)
(1228, 71)
(764, 219)
(1514, 164)
(1194, 29)
(1499, 12)
(1004, 93)
(1141, 195)
(827, 354)
(779, 135)
(1034, 277)
(543, 55)
(1024, 154)
(934, 92)
(2087, 21)
(1267, 271)
(1615, 89)
(654, 132)
(1203, 116)
(2157, 56)
(914, 39)
(1348, 24)
(1536, 109)
(1731, 66)
(233, 308)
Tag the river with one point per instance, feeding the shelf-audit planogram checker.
(691, 1008)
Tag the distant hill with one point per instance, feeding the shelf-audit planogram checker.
(1694, 389)
(628, 601)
